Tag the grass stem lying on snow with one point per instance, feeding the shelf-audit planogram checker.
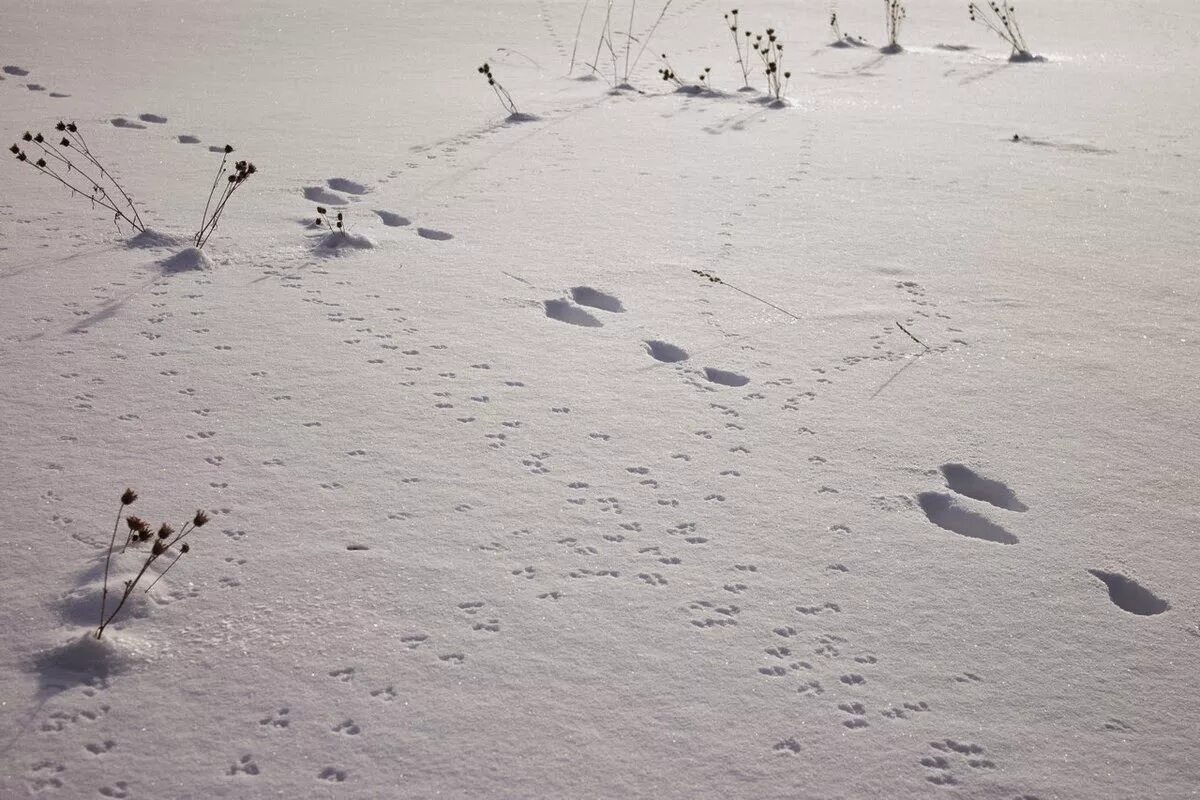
(715, 279)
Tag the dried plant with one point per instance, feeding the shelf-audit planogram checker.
(771, 53)
(501, 93)
(1000, 18)
(668, 74)
(843, 39)
(73, 164)
(895, 13)
(338, 224)
(731, 19)
(242, 170)
(165, 541)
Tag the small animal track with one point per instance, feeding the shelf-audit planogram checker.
(245, 766)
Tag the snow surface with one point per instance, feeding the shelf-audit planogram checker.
(513, 503)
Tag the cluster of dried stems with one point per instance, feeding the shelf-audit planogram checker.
(73, 164)
(1000, 18)
(163, 542)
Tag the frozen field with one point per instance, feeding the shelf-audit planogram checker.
(511, 503)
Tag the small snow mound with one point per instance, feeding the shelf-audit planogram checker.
(1026, 57)
(665, 351)
(848, 41)
(82, 606)
(346, 185)
(338, 241)
(521, 116)
(151, 238)
(319, 194)
(87, 655)
(724, 377)
(187, 260)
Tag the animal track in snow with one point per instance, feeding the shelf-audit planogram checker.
(345, 185)
(967, 482)
(153, 118)
(943, 512)
(121, 122)
(1129, 595)
(665, 351)
(319, 194)
(564, 311)
(434, 234)
(15, 71)
(332, 774)
(724, 377)
(347, 728)
(276, 719)
(185, 138)
(244, 765)
(392, 220)
(587, 296)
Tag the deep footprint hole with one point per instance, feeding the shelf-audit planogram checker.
(942, 511)
(1129, 595)
(665, 351)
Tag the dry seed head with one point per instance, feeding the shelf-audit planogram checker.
(228, 148)
(199, 519)
(71, 127)
(61, 126)
(158, 549)
(14, 149)
(28, 137)
(183, 548)
(128, 496)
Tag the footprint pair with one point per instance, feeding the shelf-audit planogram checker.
(572, 312)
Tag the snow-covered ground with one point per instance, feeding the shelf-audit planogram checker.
(509, 502)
